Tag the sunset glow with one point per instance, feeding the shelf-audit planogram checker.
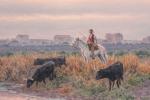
(72, 16)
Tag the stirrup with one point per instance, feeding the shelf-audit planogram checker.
(93, 57)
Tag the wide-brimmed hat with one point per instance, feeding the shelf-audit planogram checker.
(91, 30)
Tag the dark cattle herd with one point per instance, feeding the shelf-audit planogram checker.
(46, 67)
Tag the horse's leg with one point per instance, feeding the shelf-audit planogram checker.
(83, 55)
(101, 58)
(87, 57)
(106, 57)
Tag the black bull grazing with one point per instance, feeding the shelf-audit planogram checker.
(41, 73)
(46, 69)
(58, 61)
(113, 72)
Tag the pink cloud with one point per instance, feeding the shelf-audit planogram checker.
(59, 16)
(72, 17)
(73, 2)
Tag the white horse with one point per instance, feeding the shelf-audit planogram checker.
(86, 53)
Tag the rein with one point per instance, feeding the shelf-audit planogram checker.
(84, 44)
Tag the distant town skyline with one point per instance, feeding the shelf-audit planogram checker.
(46, 18)
(52, 36)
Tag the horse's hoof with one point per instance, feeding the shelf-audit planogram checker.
(93, 58)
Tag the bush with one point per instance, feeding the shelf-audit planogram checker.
(56, 83)
(143, 53)
(116, 94)
(137, 79)
(92, 90)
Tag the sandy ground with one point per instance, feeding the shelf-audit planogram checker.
(14, 96)
(12, 91)
(142, 91)
(21, 96)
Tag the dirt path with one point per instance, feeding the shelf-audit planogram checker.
(142, 91)
(14, 96)
(12, 91)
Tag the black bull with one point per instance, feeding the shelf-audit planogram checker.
(58, 61)
(113, 72)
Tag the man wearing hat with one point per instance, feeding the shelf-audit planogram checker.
(92, 42)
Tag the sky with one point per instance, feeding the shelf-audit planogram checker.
(46, 18)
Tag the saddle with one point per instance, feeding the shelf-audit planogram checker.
(95, 46)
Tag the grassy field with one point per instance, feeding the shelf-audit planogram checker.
(78, 77)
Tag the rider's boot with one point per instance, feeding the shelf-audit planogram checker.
(93, 57)
(92, 53)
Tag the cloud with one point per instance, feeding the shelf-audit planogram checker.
(73, 6)
(34, 17)
(71, 17)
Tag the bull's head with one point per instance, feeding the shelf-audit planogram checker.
(29, 83)
(62, 61)
(101, 74)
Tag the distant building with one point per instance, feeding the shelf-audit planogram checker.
(22, 38)
(114, 38)
(146, 39)
(131, 42)
(100, 41)
(4, 42)
(40, 42)
(62, 39)
(14, 42)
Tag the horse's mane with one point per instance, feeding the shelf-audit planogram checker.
(83, 42)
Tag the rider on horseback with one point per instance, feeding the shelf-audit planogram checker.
(92, 42)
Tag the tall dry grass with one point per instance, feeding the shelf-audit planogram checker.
(16, 67)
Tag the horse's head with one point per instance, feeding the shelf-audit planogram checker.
(76, 43)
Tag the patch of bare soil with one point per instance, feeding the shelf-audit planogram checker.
(18, 96)
(13, 91)
(142, 92)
